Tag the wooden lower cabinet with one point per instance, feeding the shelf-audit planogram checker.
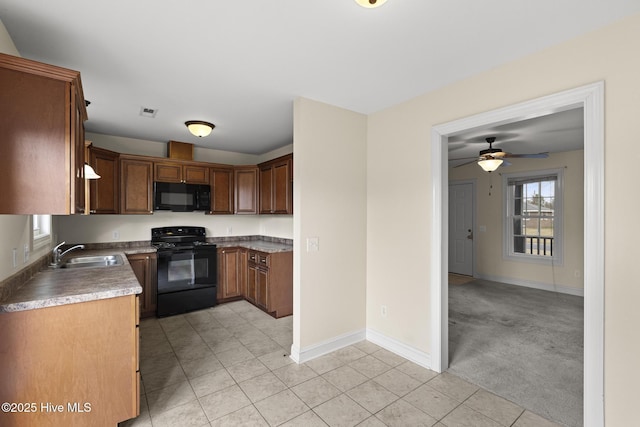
(262, 288)
(145, 267)
(79, 360)
(232, 267)
(270, 281)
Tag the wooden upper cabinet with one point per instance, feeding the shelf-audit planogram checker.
(221, 181)
(246, 189)
(178, 172)
(104, 192)
(42, 114)
(276, 186)
(266, 190)
(136, 186)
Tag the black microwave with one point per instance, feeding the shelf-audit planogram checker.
(181, 197)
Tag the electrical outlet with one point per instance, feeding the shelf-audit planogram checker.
(15, 257)
(229, 231)
(383, 310)
(26, 253)
(116, 235)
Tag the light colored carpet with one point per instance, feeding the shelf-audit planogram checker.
(523, 344)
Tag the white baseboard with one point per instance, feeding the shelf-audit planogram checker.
(316, 350)
(535, 285)
(416, 356)
(302, 355)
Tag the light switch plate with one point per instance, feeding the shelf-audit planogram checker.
(313, 244)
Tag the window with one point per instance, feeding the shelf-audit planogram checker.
(533, 216)
(41, 230)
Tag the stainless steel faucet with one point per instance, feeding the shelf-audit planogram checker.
(58, 253)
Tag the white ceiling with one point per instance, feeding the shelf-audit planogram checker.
(240, 64)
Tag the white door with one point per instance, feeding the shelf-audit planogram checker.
(461, 229)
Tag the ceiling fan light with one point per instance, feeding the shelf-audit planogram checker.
(370, 4)
(199, 128)
(489, 165)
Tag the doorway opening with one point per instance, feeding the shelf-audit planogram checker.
(591, 99)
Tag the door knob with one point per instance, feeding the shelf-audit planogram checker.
(470, 236)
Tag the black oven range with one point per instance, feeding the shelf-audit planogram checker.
(187, 269)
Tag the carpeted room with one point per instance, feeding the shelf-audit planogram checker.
(523, 344)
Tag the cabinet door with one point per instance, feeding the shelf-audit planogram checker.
(281, 187)
(136, 186)
(262, 287)
(77, 154)
(144, 266)
(167, 172)
(266, 190)
(229, 273)
(41, 138)
(252, 277)
(195, 174)
(246, 189)
(103, 192)
(221, 181)
(276, 186)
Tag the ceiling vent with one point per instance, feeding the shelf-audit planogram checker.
(148, 112)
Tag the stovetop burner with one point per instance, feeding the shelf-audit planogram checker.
(178, 237)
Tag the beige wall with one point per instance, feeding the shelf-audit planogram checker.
(329, 203)
(399, 191)
(489, 210)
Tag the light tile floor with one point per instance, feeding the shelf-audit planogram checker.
(229, 366)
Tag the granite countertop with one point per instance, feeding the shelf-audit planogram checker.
(255, 245)
(51, 287)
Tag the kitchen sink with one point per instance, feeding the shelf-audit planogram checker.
(93, 261)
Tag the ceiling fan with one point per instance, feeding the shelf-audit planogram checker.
(491, 158)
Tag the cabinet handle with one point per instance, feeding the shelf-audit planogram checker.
(264, 261)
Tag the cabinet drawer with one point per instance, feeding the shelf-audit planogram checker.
(253, 257)
(263, 260)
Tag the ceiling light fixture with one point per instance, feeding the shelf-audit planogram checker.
(369, 4)
(489, 165)
(89, 173)
(199, 128)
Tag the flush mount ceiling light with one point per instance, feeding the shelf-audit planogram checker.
(199, 128)
(371, 3)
